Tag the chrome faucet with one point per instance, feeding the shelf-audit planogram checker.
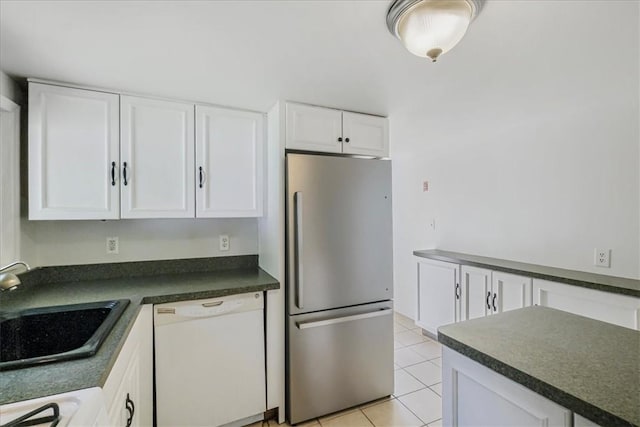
(9, 281)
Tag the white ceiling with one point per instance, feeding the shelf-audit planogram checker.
(249, 54)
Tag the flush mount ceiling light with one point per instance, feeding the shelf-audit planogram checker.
(429, 28)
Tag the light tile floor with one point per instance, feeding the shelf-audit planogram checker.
(416, 399)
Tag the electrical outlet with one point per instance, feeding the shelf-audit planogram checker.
(224, 242)
(425, 186)
(112, 245)
(602, 257)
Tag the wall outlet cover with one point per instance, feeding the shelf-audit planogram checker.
(113, 246)
(224, 242)
(602, 257)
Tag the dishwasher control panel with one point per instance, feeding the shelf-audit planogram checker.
(170, 312)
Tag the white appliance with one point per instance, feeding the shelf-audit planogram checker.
(80, 408)
(210, 366)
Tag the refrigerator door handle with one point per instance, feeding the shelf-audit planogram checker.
(297, 199)
(315, 324)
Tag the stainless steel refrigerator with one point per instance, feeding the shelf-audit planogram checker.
(339, 283)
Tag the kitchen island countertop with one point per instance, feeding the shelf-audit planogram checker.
(587, 366)
(60, 377)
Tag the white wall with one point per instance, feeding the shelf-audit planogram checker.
(537, 160)
(10, 89)
(84, 242)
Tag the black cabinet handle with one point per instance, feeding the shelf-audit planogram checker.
(488, 304)
(494, 302)
(457, 290)
(346, 140)
(339, 139)
(201, 177)
(113, 173)
(131, 409)
(124, 173)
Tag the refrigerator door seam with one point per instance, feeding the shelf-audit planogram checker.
(315, 324)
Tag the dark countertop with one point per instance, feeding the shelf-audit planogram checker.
(601, 282)
(587, 366)
(60, 377)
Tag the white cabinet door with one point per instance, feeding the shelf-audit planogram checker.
(73, 152)
(476, 292)
(128, 389)
(473, 395)
(365, 134)
(579, 421)
(438, 303)
(313, 128)
(608, 307)
(157, 154)
(229, 163)
(510, 292)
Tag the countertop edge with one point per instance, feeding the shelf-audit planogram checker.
(544, 389)
(536, 275)
(177, 297)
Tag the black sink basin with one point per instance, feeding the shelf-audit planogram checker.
(51, 334)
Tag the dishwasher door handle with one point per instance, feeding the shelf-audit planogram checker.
(336, 320)
(212, 304)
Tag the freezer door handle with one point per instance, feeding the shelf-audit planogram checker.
(315, 324)
(297, 200)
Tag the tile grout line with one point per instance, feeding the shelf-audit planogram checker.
(409, 409)
(369, 419)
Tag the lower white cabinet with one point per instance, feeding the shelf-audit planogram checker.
(449, 293)
(621, 310)
(579, 421)
(486, 292)
(474, 395)
(476, 292)
(510, 291)
(129, 387)
(438, 294)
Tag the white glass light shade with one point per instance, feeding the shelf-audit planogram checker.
(433, 27)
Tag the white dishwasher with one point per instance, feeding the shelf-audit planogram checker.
(209, 361)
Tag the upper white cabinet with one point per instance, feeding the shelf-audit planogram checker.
(157, 152)
(97, 155)
(618, 309)
(438, 294)
(73, 153)
(334, 131)
(365, 134)
(314, 128)
(229, 162)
